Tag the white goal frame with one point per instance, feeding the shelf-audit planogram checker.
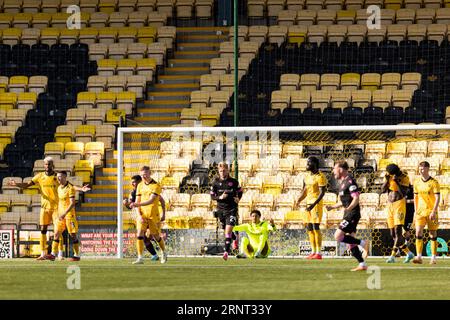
(123, 130)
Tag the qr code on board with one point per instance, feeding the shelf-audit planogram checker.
(5, 245)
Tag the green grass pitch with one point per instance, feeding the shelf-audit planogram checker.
(212, 278)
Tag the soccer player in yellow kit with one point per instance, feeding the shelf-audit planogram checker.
(48, 186)
(426, 203)
(66, 218)
(397, 184)
(256, 244)
(315, 183)
(148, 196)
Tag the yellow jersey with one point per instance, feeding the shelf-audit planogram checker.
(404, 181)
(48, 186)
(426, 192)
(312, 184)
(65, 193)
(145, 190)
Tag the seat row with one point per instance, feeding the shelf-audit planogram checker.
(339, 33)
(125, 101)
(271, 8)
(107, 35)
(127, 67)
(105, 133)
(18, 84)
(118, 51)
(135, 83)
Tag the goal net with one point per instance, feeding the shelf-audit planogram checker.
(270, 164)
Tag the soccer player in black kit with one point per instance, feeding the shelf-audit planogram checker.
(227, 192)
(349, 199)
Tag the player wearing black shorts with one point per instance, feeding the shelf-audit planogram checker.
(349, 199)
(227, 192)
(409, 217)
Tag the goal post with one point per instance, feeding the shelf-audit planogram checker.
(139, 145)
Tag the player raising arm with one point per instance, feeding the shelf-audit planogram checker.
(256, 244)
(349, 199)
(48, 187)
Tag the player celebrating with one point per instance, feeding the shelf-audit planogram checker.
(349, 199)
(135, 180)
(48, 187)
(66, 217)
(397, 184)
(148, 196)
(426, 202)
(314, 190)
(227, 192)
(256, 245)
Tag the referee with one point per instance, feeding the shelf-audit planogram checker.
(227, 192)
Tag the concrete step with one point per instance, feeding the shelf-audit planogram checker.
(109, 171)
(187, 71)
(175, 63)
(158, 115)
(198, 46)
(85, 215)
(98, 223)
(202, 30)
(177, 87)
(183, 38)
(93, 207)
(112, 180)
(196, 54)
(100, 198)
(179, 79)
(158, 121)
(164, 104)
(163, 96)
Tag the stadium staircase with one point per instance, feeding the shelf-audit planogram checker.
(171, 93)
(195, 48)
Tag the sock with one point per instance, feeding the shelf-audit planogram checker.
(149, 246)
(312, 240)
(61, 245)
(434, 246)
(140, 246)
(76, 248)
(351, 240)
(404, 248)
(162, 245)
(318, 238)
(357, 254)
(394, 251)
(43, 243)
(419, 247)
(55, 246)
(228, 242)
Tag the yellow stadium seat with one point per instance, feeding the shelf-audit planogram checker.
(6, 189)
(64, 133)
(85, 133)
(37, 84)
(350, 81)
(88, 35)
(106, 67)
(126, 101)
(26, 100)
(97, 83)
(74, 150)
(113, 116)
(107, 35)
(95, 116)
(5, 20)
(41, 20)
(146, 67)
(138, 19)
(117, 51)
(85, 170)
(293, 218)
(8, 100)
(75, 116)
(105, 100)
(146, 35)
(169, 183)
(370, 81)
(126, 67)
(95, 151)
(59, 19)
(11, 36)
(20, 202)
(30, 36)
(5, 202)
(86, 100)
(156, 19)
(108, 6)
(50, 36)
(69, 36)
(127, 34)
(22, 20)
(15, 117)
(54, 149)
(18, 84)
(105, 133)
(4, 84)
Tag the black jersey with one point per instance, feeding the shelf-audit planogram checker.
(132, 197)
(231, 187)
(347, 189)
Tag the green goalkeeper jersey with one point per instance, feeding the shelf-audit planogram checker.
(258, 234)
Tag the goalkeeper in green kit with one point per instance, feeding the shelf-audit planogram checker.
(256, 244)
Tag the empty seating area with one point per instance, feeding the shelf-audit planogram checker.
(98, 12)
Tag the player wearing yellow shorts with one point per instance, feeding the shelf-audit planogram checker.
(66, 218)
(48, 185)
(314, 190)
(426, 202)
(148, 196)
(396, 184)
